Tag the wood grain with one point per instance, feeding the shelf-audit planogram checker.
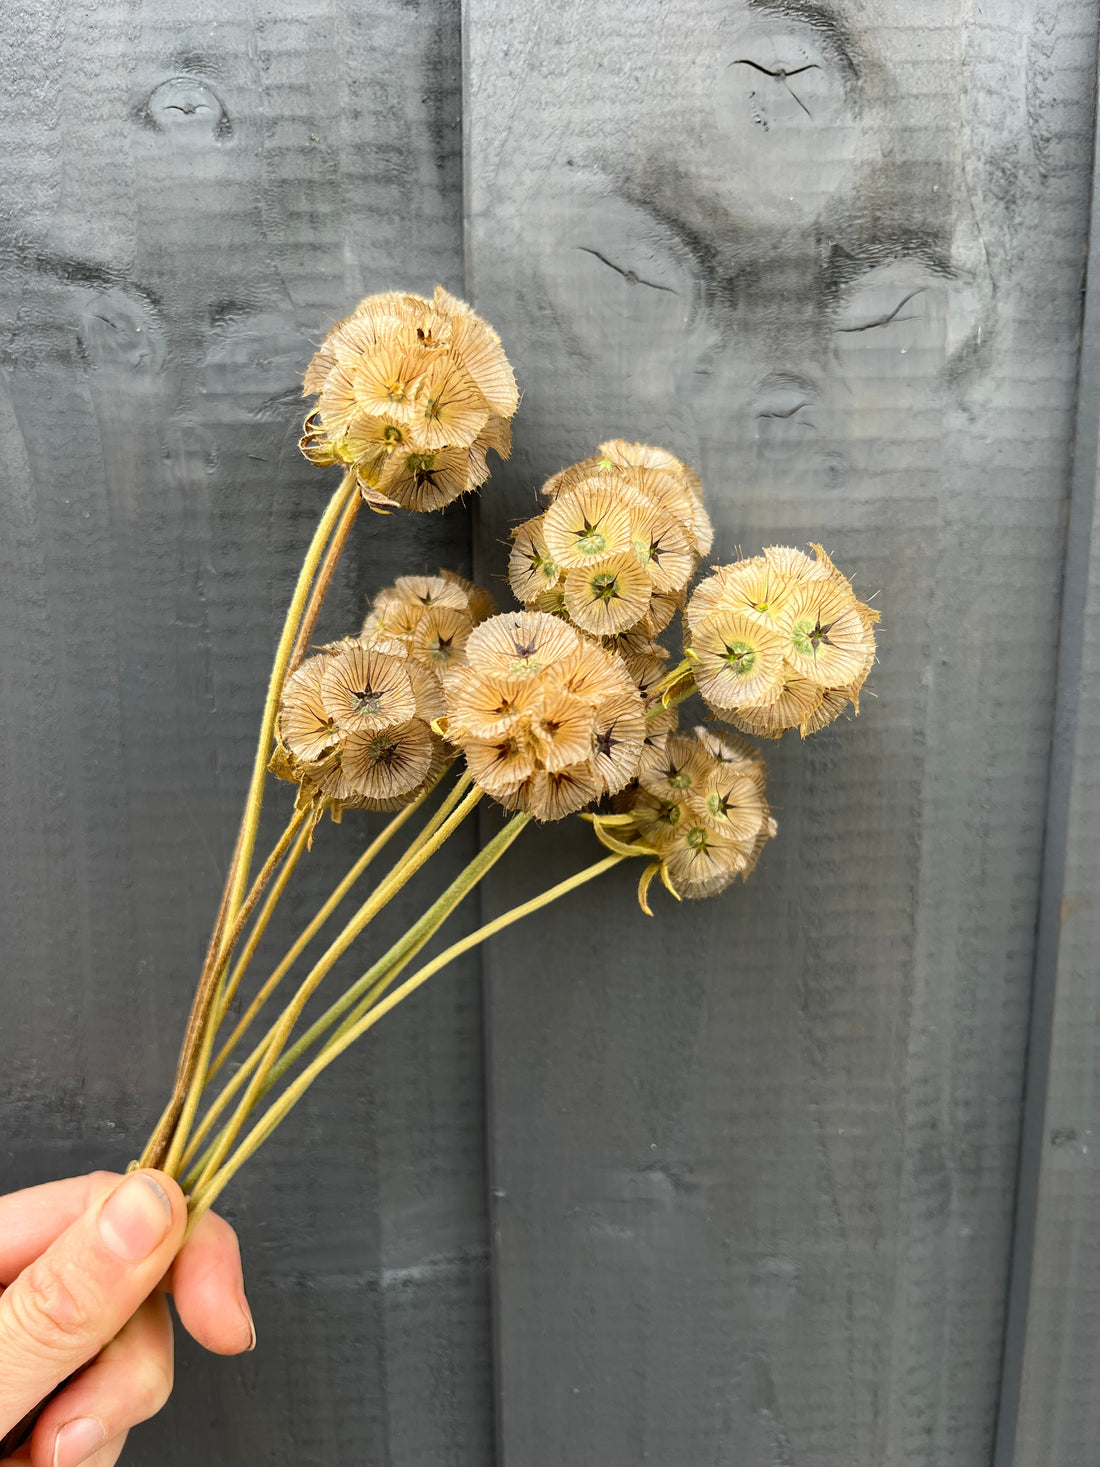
(194, 193)
(753, 1162)
(1049, 1412)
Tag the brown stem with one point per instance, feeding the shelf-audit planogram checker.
(156, 1148)
(218, 954)
(324, 580)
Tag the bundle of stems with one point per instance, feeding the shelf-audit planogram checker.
(205, 1152)
(556, 708)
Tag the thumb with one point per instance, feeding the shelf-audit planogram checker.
(65, 1306)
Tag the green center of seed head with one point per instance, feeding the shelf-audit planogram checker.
(419, 463)
(604, 586)
(367, 702)
(740, 656)
(697, 838)
(590, 541)
(679, 779)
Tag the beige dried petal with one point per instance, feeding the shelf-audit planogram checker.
(439, 640)
(389, 764)
(586, 525)
(571, 477)
(488, 704)
(498, 766)
(478, 348)
(551, 796)
(427, 481)
(739, 661)
(797, 702)
(305, 726)
(480, 603)
(447, 409)
(429, 592)
(521, 643)
(561, 733)
(659, 542)
(680, 770)
(731, 804)
(751, 588)
(497, 435)
(366, 690)
(828, 640)
(532, 570)
(832, 705)
(608, 597)
(618, 738)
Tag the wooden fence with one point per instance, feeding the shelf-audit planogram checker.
(806, 1176)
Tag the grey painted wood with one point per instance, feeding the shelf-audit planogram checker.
(191, 193)
(753, 1162)
(1050, 1415)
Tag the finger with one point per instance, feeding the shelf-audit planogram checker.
(208, 1287)
(107, 1456)
(32, 1219)
(128, 1381)
(78, 1294)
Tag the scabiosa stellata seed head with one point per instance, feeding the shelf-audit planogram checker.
(781, 641)
(549, 721)
(411, 393)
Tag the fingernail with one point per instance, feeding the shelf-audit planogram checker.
(77, 1440)
(136, 1218)
(248, 1320)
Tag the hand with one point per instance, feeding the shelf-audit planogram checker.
(83, 1264)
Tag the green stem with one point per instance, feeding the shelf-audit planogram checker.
(236, 880)
(259, 927)
(294, 616)
(304, 939)
(406, 868)
(217, 972)
(230, 1089)
(382, 973)
(204, 1196)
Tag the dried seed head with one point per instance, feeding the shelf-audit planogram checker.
(782, 641)
(412, 394)
(619, 544)
(702, 810)
(354, 727)
(548, 721)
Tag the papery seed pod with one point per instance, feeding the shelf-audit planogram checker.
(700, 811)
(618, 545)
(548, 721)
(355, 722)
(781, 640)
(412, 394)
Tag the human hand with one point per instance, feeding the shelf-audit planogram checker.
(84, 1264)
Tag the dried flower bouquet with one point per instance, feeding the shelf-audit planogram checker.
(566, 706)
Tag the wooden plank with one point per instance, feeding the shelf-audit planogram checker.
(1050, 1415)
(199, 189)
(753, 1161)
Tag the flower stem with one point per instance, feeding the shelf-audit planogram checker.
(297, 609)
(214, 1183)
(272, 1047)
(237, 876)
(259, 927)
(380, 975)
(323, 581)
(200, 1056)
(303, 941)
(229, 1090)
